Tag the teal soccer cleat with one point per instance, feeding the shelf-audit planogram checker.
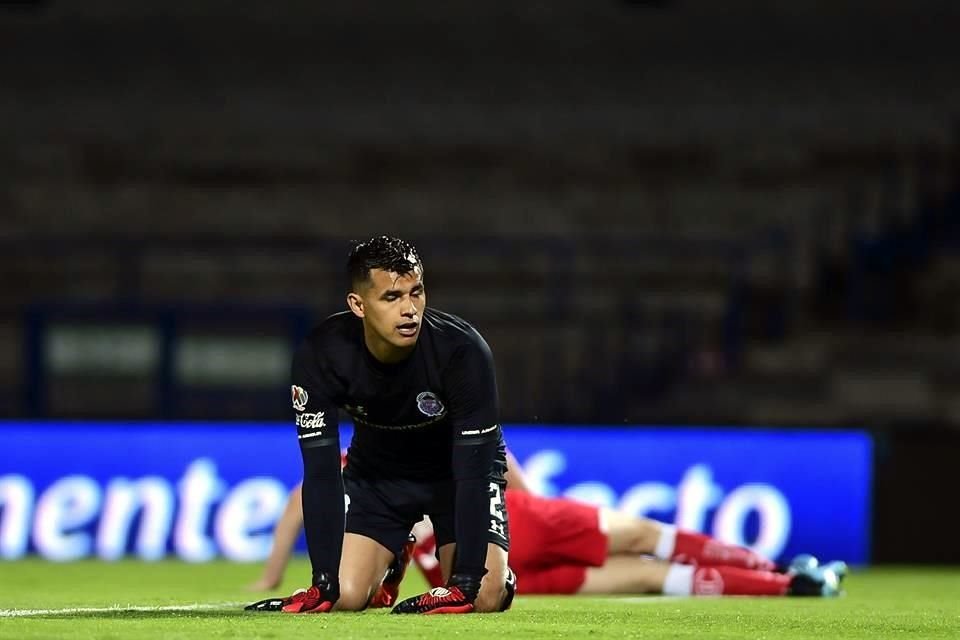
(802, 562)
(812, 580)
(839, 567)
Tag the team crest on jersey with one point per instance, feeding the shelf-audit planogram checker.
(300, 397)
(429, 404)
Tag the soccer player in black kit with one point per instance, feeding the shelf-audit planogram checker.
(419, 385)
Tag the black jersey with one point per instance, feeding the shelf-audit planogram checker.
(405, 415)
(433, 416)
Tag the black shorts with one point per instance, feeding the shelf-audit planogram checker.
(385, 510)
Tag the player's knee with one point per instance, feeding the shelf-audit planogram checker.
(353, 596)
(632, 535)
(646, 536)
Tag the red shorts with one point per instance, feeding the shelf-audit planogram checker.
(552, 542)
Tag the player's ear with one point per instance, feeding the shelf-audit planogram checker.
(355, 302)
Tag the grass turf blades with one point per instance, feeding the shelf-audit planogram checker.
(171, 599)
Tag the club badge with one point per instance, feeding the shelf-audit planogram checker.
(300, 397)
(429, 404)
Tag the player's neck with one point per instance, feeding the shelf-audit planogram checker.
(384, 352)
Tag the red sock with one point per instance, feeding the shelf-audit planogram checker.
(734, 581)
(704, 551)
(425, 557)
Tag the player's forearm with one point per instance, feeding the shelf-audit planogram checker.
(472, 462)
(471, 527)
(323, 514)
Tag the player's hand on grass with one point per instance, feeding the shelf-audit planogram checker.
(457, 597)
(319, 598)
(263, 584)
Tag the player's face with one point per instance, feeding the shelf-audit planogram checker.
(391, 306)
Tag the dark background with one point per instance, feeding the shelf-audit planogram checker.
(685, 212)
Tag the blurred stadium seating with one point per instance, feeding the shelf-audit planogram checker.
(673, 216)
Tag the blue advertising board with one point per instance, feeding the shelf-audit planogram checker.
(197, 491)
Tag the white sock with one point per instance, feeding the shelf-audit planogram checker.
(679, 580)
(666, 543)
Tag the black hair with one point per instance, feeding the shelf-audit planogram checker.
(382, 252)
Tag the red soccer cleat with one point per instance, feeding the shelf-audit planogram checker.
(310, 600)
(437, 600)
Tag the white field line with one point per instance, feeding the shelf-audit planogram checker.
(23, 613)
(647, 599)
(691, 598)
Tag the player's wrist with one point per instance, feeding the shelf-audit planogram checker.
(467, 583)
(329, 585)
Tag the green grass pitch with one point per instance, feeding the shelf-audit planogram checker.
(173, 601)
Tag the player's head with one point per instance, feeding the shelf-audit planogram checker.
(387, 292)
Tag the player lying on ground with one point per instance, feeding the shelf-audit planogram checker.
(562, 546)
(419, 385)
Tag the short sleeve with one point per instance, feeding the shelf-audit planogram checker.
(471, 389)
(315, 411)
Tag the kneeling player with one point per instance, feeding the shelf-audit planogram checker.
(420, 387)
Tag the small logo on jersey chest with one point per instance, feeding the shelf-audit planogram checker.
(429, 404)
(299, 396)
